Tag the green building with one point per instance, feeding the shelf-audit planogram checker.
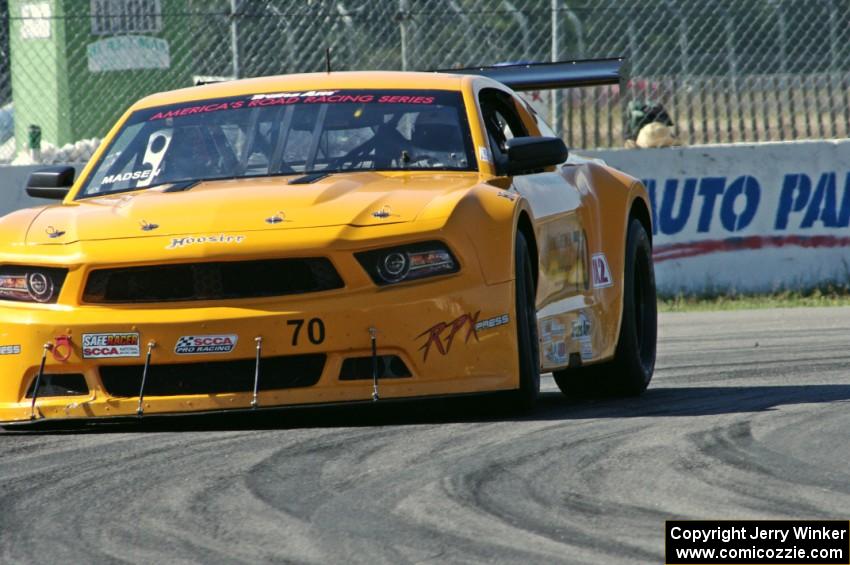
(77, 64)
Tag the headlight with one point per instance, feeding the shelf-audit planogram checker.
(31, 284)
(408, 262)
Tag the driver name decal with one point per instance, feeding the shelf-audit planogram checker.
(132, 175)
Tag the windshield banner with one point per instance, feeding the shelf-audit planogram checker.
(289, 98)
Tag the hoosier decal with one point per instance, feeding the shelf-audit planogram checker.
(111, 345)
(177, 242)
(197, 344)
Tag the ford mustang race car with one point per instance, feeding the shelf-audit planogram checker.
(327, 238)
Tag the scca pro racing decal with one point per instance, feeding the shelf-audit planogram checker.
(198, 344)
(111, 345)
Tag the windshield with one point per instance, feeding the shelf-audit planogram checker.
(286, 133)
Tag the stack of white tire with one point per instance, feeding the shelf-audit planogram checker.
(79, 152)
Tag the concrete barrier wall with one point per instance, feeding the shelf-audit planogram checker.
(746, 217)
(13, 180)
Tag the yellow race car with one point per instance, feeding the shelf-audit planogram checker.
(327, 238)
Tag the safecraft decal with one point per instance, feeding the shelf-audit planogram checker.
(177, 242)
(199, 344)
(10, 349)
(601, 273)
(441, 336)
(110, 345)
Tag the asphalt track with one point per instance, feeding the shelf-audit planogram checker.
(748, 417)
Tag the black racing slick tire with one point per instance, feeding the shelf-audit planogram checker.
(528, 348)
(630, 372)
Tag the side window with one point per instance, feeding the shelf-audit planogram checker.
(501, 120)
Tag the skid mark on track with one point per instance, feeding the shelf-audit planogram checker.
(727, 430)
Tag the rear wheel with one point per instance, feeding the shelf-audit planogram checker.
(629, 373)
(526, 327)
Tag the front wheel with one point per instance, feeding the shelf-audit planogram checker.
(629, 373)
(528, 347)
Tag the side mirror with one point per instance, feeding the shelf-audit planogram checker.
(527, 154)
(51, 182)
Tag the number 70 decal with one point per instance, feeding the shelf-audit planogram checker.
(315, 330)
(601, 273)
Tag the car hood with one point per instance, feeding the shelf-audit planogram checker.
(243, 205)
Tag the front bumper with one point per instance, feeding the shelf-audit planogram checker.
(460, 358)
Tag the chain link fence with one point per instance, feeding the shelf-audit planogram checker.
(726, 71)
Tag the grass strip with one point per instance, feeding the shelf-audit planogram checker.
(828, 296)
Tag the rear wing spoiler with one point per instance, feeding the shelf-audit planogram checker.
(546, 76)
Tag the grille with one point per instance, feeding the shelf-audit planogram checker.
(291, 371)
(211, 281)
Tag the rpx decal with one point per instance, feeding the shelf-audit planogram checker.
(442, 335)
(177, 242)
(199, 344)
(10, 349)
(601, 273)
(106, 346)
